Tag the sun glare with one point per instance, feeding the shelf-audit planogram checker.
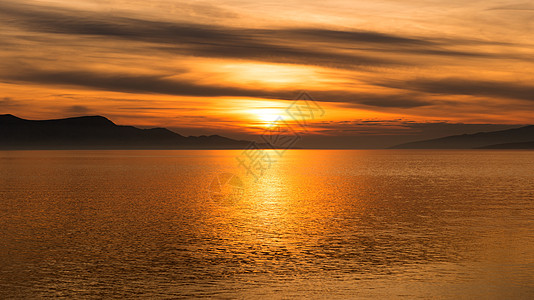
(266, 115)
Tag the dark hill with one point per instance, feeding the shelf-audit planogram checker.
(97, 132)
(477, 140)
(526, 145)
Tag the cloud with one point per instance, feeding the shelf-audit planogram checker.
(461, 86)
(8, 103)
(347, 49)
(186, 38)
(162, 84)
(131, 83)
(78, 109)
(371, 37)
(527, 6)
(397, 100)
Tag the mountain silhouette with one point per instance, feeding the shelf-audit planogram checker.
(97, 132)
(517, 138)
(526, 145)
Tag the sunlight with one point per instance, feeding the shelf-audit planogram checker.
(266, 115)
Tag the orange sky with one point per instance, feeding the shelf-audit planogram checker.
(230, 67)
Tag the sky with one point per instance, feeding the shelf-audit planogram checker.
(384, 72)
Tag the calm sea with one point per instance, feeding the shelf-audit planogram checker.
(318, 224)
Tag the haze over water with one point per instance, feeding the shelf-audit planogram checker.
(318, 224)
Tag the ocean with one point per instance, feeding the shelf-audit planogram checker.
(316, 224)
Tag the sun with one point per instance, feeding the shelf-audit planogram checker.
(266, 115)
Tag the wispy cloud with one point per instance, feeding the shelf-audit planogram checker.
(524, 6)
(463, 86)
(131, 83)
(313, 46)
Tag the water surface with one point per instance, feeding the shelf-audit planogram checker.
(318, 224)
